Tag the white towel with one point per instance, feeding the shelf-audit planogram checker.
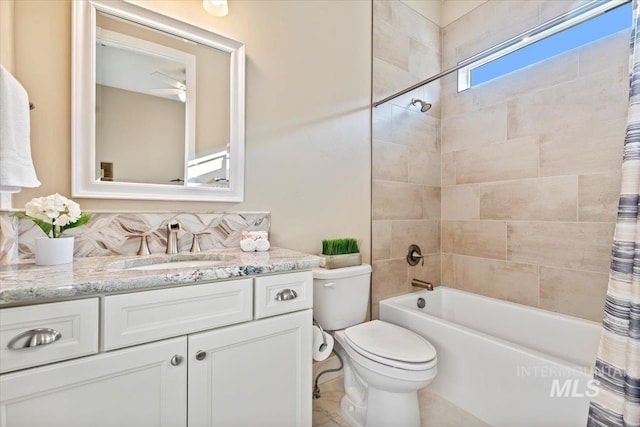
(262, 245)
(248, 245)
(16, 166)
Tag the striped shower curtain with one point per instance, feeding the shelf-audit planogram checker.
(617, 398)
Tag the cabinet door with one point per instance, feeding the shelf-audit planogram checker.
(254, 374)
(134, 387)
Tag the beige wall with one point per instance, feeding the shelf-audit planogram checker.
(531, 166)
(307, 119)
(406, 150)
(147, 143)
(212, 78)
(6, 35)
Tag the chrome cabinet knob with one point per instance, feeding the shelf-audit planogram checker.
(34, 338)
(286, 295)
(200, 355)
(176, 360)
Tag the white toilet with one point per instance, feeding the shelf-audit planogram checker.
(384, 365)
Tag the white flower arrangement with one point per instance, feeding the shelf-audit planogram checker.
(54, 214)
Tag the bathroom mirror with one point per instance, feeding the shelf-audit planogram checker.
(158, 107)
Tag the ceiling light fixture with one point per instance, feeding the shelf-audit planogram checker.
(216, 7)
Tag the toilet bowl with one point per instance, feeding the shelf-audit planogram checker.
(384, 373)
(384, 364)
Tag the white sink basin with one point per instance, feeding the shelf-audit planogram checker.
(181, 261)
(176, 264)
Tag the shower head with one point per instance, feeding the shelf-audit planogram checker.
(424, 106)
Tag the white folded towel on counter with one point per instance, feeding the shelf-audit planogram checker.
(248, 245)
(255, 235)
(16, 166)
(262, 245)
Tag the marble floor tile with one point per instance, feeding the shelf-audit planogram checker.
(435, 410)
(326, 409)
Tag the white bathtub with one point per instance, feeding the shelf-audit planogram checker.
(508, 364)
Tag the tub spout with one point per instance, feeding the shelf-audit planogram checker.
(422, 284)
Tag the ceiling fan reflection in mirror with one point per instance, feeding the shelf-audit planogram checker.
(178, 88)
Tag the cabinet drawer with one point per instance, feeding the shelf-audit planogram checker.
(147, 316)
(283, 293)
(76, 321)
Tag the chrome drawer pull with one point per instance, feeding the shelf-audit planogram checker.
(286, 295)
(176, 360)
(34, 338)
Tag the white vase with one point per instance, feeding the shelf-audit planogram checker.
(54, 251)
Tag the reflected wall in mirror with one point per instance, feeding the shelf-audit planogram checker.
(166, 104)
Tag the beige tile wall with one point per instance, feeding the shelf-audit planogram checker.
(531, 166)
(510, 188)
(406, 150)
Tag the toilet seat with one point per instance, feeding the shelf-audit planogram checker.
(391, 345)
(386, 368)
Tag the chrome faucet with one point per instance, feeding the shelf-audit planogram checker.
(172, 238)
(422, 284)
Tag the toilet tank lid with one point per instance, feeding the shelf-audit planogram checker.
(340, 273)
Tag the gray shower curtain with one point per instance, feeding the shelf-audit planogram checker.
(617, 374)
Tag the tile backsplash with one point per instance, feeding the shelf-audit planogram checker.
(110, 233)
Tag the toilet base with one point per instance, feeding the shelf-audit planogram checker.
(386, 410)
(357, 415)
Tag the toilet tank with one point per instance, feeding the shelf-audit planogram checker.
(341, 296)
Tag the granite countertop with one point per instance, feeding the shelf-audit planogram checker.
(25, 282)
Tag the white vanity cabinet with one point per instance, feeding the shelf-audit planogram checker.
(185, 356)
(137, 387)
(254, 374)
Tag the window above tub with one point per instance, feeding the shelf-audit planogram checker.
(590, 22)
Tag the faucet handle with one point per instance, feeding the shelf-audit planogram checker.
(195, 246)
(414, 255)
(143, 250)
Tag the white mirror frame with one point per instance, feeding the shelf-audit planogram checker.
(83, 83)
